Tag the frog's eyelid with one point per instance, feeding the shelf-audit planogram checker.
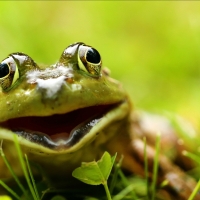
(81, 65)
(16, 74)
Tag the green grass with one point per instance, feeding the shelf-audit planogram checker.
(120, 186)
(117, 185)
(151, 47)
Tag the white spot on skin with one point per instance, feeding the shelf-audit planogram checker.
(76, 87)
(50, 80)
(17, 95)
(27, 93)
(51, 86)
(49, 73)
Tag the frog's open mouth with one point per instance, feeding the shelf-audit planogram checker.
(59, 130)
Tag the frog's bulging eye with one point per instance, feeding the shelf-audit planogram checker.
(4, 70)
(93, 56)
(89, 60)
(9, 73)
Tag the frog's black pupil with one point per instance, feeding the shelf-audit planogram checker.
(93, 56)
(4, 70)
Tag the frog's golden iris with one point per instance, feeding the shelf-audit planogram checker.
(9, 72)
(89, 60)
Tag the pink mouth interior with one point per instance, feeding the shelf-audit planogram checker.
(58, 124)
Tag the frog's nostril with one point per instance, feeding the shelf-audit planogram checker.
(70, 80)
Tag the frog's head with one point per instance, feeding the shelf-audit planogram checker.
(58, 108)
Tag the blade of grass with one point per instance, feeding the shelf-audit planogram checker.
(24, 167)
(124, 192)
(11, 170)
(194, 192)
(155, 167)
(126, 184)
(146, 166)
(192, 156)
(9, 190)
(192, 140)
(31, 175)
(115, 175)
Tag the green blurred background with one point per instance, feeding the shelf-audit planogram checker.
(153, 47)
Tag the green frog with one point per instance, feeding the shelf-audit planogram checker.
(73, 111)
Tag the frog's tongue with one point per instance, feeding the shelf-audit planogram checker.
(59, 129)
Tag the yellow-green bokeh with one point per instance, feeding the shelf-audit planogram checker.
(153, 47)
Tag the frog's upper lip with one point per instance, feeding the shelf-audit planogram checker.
(59, 130)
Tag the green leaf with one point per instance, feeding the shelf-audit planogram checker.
(95, 173)
(106, 163)
(58, 197)
(88, 173)
(5, 198)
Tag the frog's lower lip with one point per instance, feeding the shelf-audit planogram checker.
(59, 130)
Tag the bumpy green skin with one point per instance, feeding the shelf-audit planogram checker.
(58, 89)
(28, 97)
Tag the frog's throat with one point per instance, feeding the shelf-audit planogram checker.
(57, 140)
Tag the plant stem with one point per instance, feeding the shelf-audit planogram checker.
(9, 190)
(24, 168)
(155, 167)
(192, 156)
(31, 175)
(11, 170)
(195, 191)
(124, 192)
(115, 175)
(146, 167)
(126, 184)
(107, 191)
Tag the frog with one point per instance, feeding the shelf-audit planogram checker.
(73, 111)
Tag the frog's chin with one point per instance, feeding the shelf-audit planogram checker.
(64, 132)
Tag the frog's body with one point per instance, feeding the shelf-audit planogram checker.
(67, 113)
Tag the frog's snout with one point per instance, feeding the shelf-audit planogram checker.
(50, 87)
(50, 81)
